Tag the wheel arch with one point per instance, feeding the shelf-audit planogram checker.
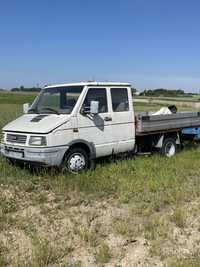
(162, 137)
(87, 146)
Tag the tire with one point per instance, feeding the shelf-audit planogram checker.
(169, 147)
(10, 161)
(75, 161)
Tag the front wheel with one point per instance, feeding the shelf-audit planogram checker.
(169, 147)
(75, 161)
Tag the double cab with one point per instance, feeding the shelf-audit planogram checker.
(70, 125)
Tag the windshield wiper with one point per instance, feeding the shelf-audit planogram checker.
(33, 110)
(51, 109)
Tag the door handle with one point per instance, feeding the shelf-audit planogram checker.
(107, 119)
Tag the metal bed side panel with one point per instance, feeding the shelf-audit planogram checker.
(155, 123)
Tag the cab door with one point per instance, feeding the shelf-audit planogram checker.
(96, 129)
(123, 121)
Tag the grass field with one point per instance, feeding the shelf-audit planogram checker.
(141, 211)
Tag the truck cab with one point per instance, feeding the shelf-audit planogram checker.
(69, 125)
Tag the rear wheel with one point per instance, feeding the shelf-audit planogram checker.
(169, 147)
(76, 160)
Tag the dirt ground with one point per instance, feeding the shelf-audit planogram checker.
(71, 231)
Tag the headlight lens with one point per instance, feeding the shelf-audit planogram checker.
(38, 141)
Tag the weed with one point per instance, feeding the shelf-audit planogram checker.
(7, 205)
(6, 221)
(156, 248)
(127, 227)
(187, 262)
(87, 236)
(103, 254)
(3, 252)
(155, 228)
(44, 254)
(26, 224)
(179, 217)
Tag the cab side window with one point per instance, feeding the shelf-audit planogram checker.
(119, 99)
(97, 94)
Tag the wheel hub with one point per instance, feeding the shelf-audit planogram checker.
(76, 162)
(170, 150)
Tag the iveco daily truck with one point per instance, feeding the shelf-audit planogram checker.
(70, 125)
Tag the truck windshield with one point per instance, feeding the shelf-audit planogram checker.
(58, 100)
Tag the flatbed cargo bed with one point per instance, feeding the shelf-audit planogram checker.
(149, 124)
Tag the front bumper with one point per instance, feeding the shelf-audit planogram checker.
(50, 156)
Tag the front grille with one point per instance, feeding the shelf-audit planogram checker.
(16, 138)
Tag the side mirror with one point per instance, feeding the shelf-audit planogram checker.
(25, 108)
(94, 107)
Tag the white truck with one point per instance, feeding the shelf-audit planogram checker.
(70, 125)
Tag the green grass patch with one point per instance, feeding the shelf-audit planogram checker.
(151, 182)
(16, 98)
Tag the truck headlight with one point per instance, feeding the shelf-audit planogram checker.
(37, 141)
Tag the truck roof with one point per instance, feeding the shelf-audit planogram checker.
(89, 84)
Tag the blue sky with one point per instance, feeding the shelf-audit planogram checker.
(151, 43)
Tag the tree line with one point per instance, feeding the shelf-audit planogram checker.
(23, 89)
(146, 92)
(164, 92)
